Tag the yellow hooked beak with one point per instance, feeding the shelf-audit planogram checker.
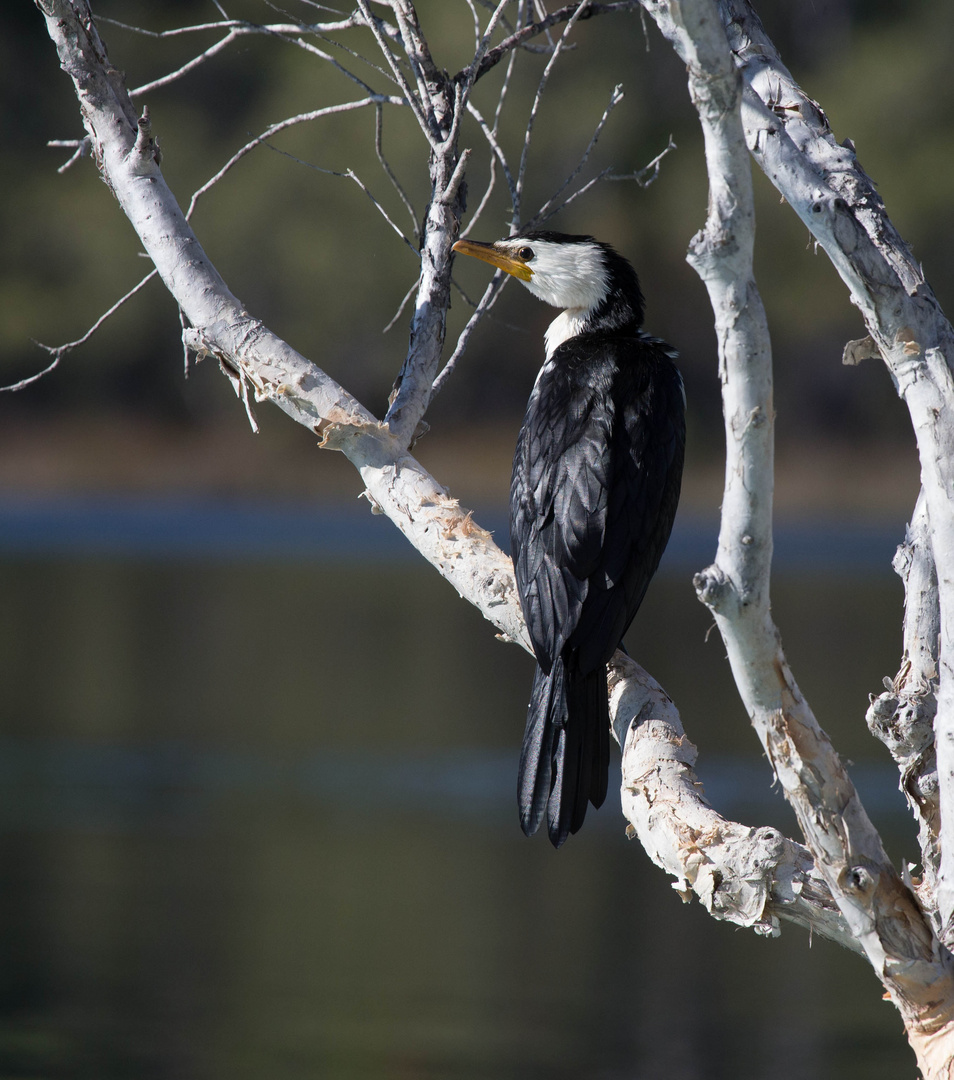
(490, 253)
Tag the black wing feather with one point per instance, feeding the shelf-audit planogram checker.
(594, 491)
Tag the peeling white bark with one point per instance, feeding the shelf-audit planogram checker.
(881, 911)
(751, 877)
(846, 846)
(789, 137)
(903, 717)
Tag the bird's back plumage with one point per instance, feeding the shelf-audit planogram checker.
(594, 491)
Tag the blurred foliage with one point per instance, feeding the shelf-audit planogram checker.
(308, 253)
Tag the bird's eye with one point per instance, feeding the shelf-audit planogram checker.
(526, 253)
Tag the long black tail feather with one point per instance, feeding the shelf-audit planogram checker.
(564, 762)
(540, 746)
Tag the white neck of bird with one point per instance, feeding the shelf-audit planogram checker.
(568, 324)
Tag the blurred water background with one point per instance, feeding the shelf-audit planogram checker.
(257, 762)
(257, 816)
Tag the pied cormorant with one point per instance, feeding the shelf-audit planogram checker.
(596, 478)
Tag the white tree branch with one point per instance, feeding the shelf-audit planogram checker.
(821, 180)
(751, 877)
(903, 717)
(882, 912)
(736, 586)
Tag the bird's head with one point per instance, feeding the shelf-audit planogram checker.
(569, 272)
(596, 287)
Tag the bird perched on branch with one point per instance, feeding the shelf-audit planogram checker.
(596, 478)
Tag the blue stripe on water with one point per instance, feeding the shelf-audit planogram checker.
(185, 528)
(73, 783)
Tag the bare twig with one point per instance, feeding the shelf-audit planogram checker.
(476, 18)
(240, 385)
(402, 305)
(484, 305)
(548, 209)
(505, 85)
(534, 108)
(484, 199)
(347, 72)
(80, 147)
(522, 36)
(185, 69)
(605, 175)
(469, 74)
(416, 105)
(282, 125)
(396, 184)
(238, 25)
(491, 6)
(59, 351)
(652, 167)
(349, 174)
(541, 12)
(497, 149)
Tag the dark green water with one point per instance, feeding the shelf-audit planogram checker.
(258, 820)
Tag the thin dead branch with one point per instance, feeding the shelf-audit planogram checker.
(349, 174)
(551, 207)
(521, 37)
(534, 109)
(59, 351)
(283, 125)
